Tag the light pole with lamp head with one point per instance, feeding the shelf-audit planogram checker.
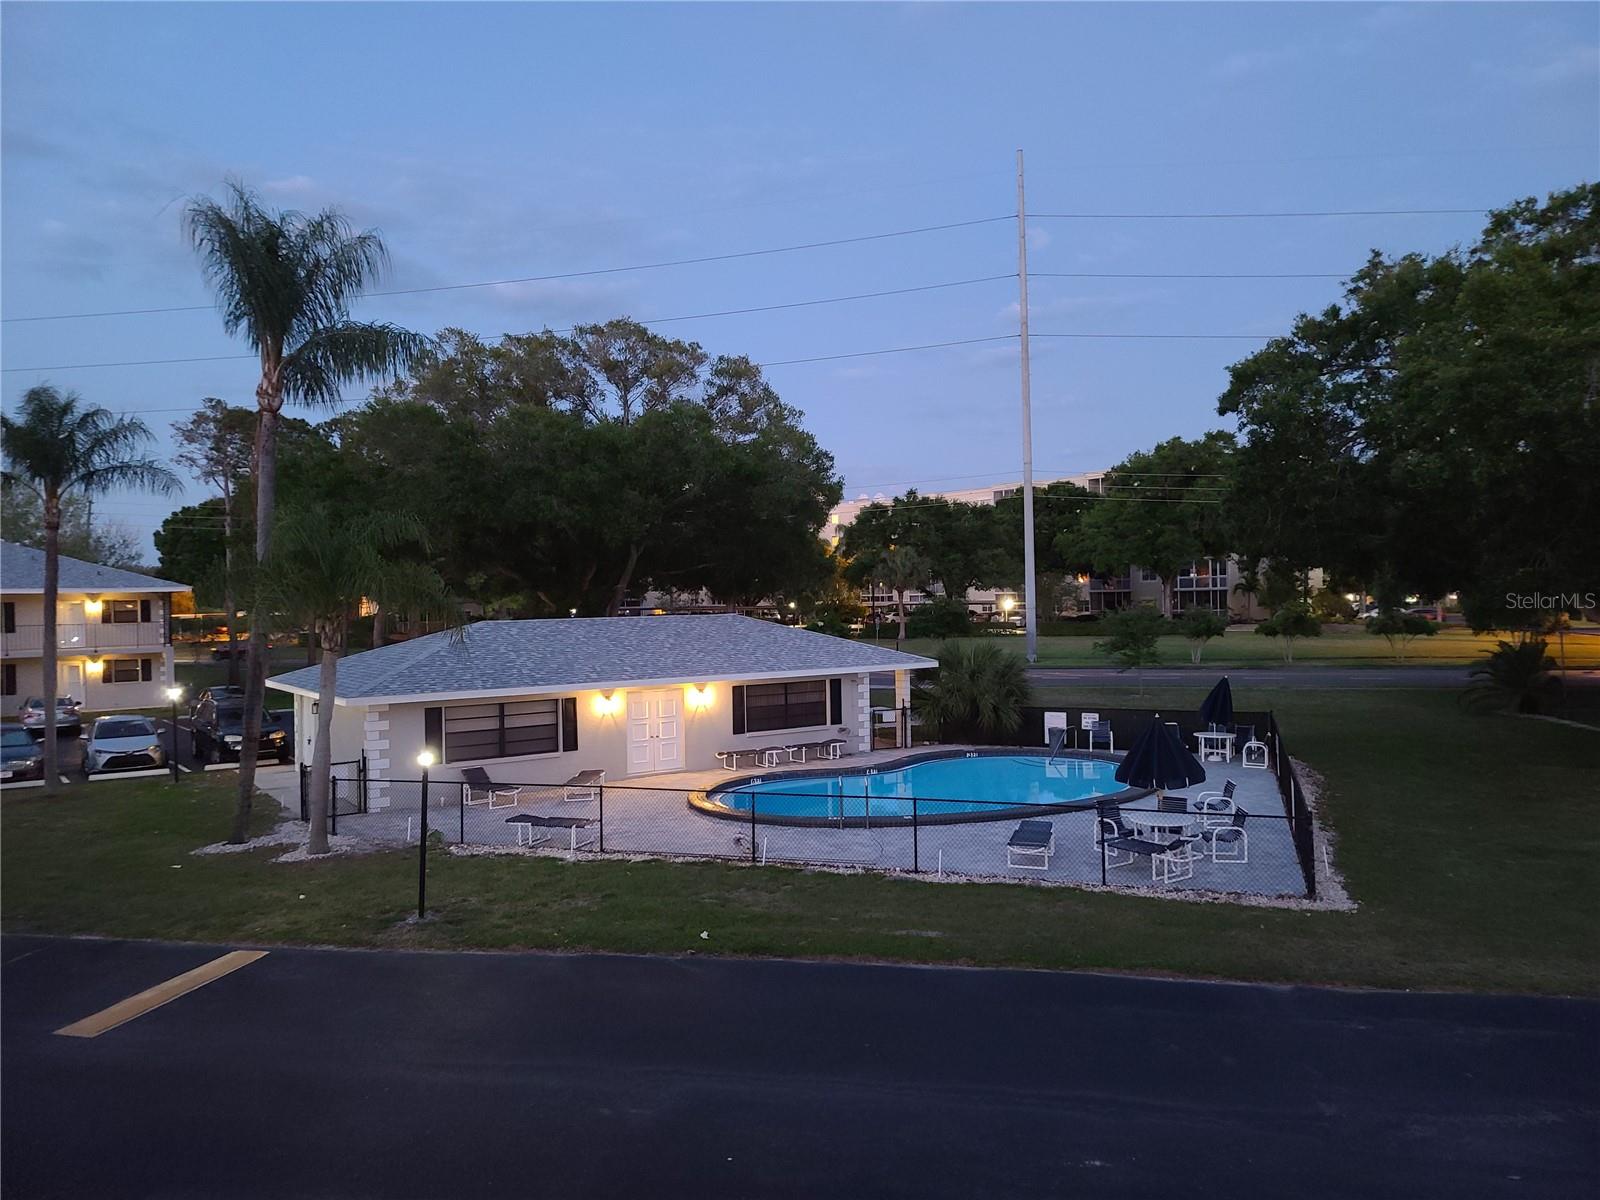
(174, 694)
(424, 760)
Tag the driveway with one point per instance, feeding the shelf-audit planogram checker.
(316, 1073)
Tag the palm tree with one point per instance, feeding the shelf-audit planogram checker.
(977, 694)
(285, 281)
(57, 448)
(325, 561)
(901, 570)
(1514, 675)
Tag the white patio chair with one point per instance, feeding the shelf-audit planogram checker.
(1254, 754)
(1230, 843)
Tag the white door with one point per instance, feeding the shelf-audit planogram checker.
(655, 732)
(72, 633)
(69, 681)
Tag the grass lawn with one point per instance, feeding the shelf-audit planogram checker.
(1469, 843)
(1343, 646)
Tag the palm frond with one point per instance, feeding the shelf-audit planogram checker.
(347, 352)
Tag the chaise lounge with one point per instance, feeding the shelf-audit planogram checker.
(1030, 846)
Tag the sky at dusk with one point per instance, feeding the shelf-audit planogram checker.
(489, 142)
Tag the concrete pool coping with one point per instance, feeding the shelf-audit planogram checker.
(702, 801)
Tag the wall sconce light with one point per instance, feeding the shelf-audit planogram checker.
(315, 704)
(607, 703)
(91, 608)
(94, 666)
(699, 695)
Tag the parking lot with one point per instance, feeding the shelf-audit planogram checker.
(72, 751)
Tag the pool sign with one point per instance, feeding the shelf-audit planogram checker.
(1088, 720)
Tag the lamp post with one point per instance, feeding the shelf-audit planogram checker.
(174, 694)
(424, 760)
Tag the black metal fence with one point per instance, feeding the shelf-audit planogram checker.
(1272, 854)
(946, 836)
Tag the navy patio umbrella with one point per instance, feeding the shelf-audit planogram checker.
(1158, 760)
(1217, 707)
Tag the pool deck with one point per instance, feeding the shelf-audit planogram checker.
(650, 815)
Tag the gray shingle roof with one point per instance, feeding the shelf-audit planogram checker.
(522, 657)
(22, 570)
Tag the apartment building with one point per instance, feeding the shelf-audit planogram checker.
(1210, 583)
(113, 632)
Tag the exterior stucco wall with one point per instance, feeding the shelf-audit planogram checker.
(76, 665)
(393, 735)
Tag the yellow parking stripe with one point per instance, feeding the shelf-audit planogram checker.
(151, 998)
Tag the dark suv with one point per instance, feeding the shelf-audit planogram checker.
(216, 731)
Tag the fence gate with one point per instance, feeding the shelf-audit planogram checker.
(347, 790)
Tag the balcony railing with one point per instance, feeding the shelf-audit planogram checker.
(87, 637)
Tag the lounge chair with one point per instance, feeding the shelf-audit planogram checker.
(772, 756)
(1170, 860)
(831, 747)
(1030, 846)
(585, 785)
(482, 790)
(534, 830)
(730, 758)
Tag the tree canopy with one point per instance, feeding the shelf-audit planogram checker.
(1438, 431)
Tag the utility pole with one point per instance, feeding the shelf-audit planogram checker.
(1029, 591)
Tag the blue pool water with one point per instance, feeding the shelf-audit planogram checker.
(942, 787)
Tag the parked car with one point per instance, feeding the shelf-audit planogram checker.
(20, 756)
(69, 715)
(216, 731)
(221, 651)
(222, 692)
(122, 743)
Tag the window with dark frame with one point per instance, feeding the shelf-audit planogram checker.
(510, 730)
(124, 612)
(127, 670)
(793, 704)
(9, 685)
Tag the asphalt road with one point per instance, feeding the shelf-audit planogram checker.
(317, 1073)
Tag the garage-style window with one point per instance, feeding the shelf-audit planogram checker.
(128, 670)
(794, 704)
(469, 732)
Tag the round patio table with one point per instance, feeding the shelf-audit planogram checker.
(1165, 822)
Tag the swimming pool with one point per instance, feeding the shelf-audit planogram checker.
(939, 788)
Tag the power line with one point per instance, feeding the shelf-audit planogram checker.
(735, 312)
(1003, 337)
(1188, 275)
(651, 266)
(1255, 337)
(1241, 216)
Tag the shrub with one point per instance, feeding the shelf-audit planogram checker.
(1514, 675)
(977, 694)
(1400, 629)
(1292, 620)
(940, 617)
(1199, 626)
(1130, 639)
(1329, 605)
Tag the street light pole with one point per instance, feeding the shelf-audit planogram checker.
(424, 760)
(174, 694)
(1029, 599)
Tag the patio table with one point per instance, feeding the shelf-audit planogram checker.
(1214, 744)
(1162, 822)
